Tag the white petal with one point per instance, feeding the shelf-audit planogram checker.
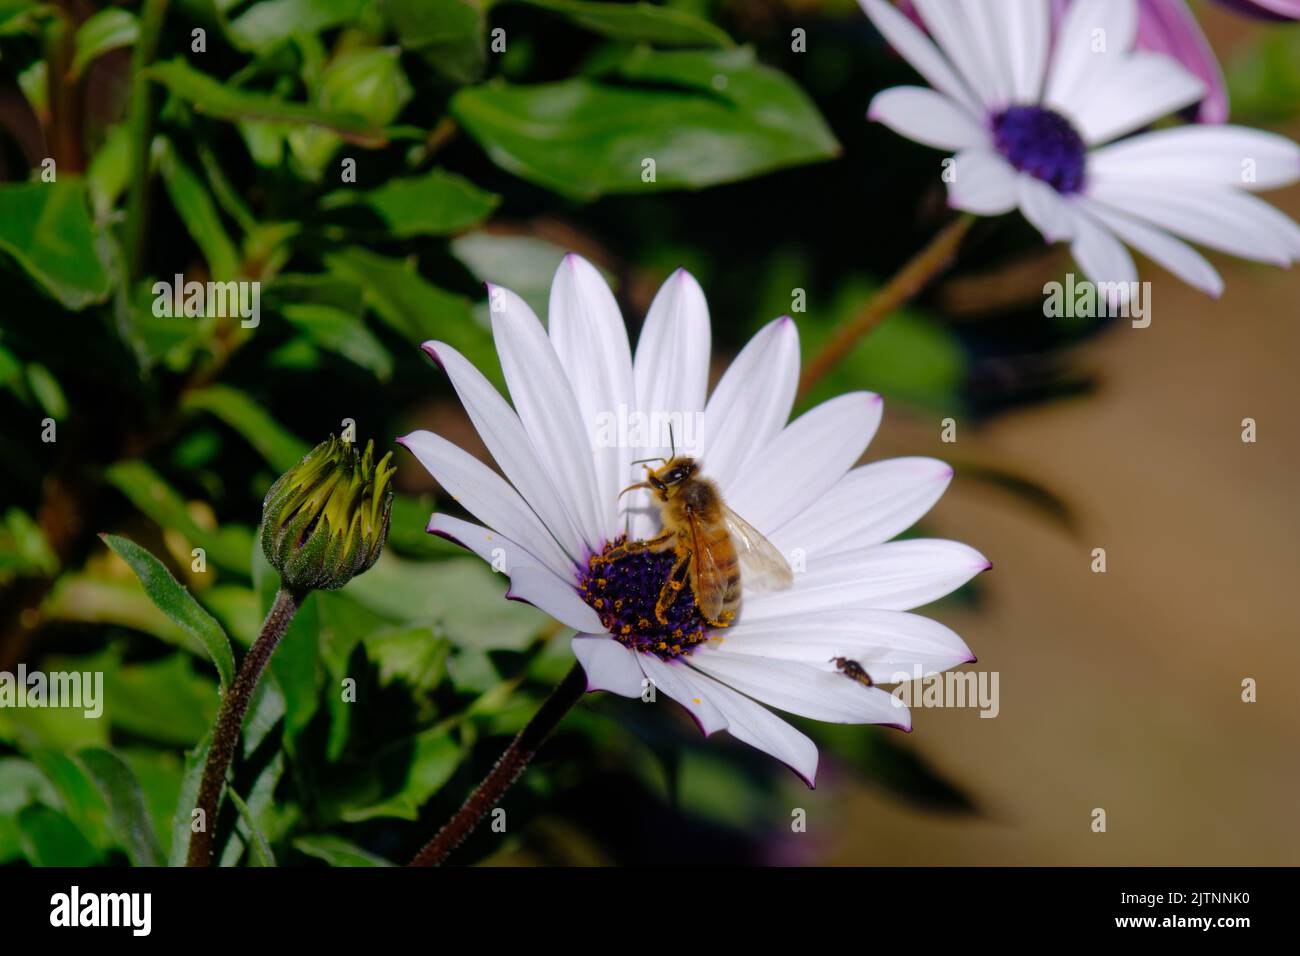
(869, 505)
(983, 183)
(991, 42)
(892, 646)
(752, 401)
(1103, 259)
(1139, 90)
(1094, 37)
(898, 575)
(800, 688)
(487, 496)
(1220, 218)
(530, 580)
(1044, 208)
(608, 664)
(927, 117)
(807, 458)
(950, 27)
(671, 369)
(588, 335)
(1223, 155)
(548, 409)
(504, 435)
(684, 686)
(1174, 254)
(915, 47)
(757, 726)
(1023, 28)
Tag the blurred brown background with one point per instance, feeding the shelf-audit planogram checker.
(1123, 690)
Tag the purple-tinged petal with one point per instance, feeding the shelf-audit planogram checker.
(608, 664)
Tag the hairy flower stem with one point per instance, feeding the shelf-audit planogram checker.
(507, 770)
(230, 721)
(905, 284)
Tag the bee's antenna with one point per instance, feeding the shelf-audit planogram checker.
(642, 461)
(672, 444)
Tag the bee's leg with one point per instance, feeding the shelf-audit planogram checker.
(634, 547)
(668, 593)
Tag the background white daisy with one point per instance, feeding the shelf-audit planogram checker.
(1031, 116)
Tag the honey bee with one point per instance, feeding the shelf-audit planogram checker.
(711, 542)
(852, 670)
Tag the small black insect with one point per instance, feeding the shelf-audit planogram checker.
(852, 670)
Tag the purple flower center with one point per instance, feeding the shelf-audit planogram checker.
(624, 593)
(1042, 143)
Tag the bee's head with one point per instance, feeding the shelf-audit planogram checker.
(671, 475)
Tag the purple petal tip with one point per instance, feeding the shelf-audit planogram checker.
(430, 349)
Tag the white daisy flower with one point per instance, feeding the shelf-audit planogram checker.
(1036, 125)
(558, 507)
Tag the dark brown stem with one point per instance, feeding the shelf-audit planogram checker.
(230, 721)
(905, 284)
(507, 770)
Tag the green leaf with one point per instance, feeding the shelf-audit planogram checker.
(462, 597)
(365, 82)
(75, 794)
(415, 656)
(259, 816)
(81, 597)
(415, 308)
(263, 25)
(343, 333)
(1264, 77)
(175, 600)
(450, 35)
(407, 773)
(437, 204)
(21, 16)
(337, 852)
(186, 800)
(162, 699)
(59, 728)
(128, 815)
(109, 29)
(523, 264)
(407, 534)
(194, 205)
(48, 838)
(210, 96)
(160, 774)
(703, 117)
(229, 548)
(23, 783)
(261, 850)
(46, 228)
(110, 170)
(47, 390)
(281, 448)
(24, 549)
(639, 22)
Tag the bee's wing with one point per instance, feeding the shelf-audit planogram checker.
(706, 579)
(762, 566)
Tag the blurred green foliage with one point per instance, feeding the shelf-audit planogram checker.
(369, 165)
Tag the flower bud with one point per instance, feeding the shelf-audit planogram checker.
(325, 520)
